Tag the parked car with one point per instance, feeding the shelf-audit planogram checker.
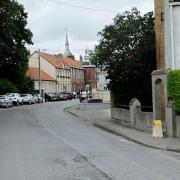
(5, 101)
(28, 98)
(38, 98)
(16, 98)
(50, 97)
(70, 95)
(57, 95)
(65, 96)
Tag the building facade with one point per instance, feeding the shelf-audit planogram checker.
(90, 72)
(68, 73)
(47, 82)
(167, 27)
(76, 73)
(55, 68)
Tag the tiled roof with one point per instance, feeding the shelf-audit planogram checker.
(58, 62)
(61, 61)
(52, 60)
(71, 62)
(34, 74)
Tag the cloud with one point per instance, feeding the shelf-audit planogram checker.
(48, 21)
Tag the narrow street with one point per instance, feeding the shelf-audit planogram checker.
(42, 142)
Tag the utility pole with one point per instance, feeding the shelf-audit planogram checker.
(39, 72)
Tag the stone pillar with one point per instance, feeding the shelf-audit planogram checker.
(159, 92)
(135, 106)
(159, 95)
(170, 119)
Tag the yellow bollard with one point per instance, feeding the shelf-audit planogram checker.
(157, 129)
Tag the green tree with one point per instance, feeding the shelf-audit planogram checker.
(126, 50)
(27, 86)
(14, 35)
(6, 86)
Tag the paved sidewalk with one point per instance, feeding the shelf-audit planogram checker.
(96, 117)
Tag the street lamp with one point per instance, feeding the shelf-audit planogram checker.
(40, 70)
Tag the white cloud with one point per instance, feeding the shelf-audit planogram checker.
(48, 20)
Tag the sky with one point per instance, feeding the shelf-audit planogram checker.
(83, 19)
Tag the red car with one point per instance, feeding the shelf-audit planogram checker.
(64, 97)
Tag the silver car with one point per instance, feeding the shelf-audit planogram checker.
(15, 98)
(28, 98)
(5, 101)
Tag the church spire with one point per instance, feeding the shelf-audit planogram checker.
(67, 51)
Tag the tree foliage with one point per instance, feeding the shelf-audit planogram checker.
(174, 88)
(27, 86)
(126, 50)
(14, 35)
(6, 86)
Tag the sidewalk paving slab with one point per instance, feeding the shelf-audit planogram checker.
(140, 137)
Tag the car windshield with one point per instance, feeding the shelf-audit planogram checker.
(11, 95)
(23, 95)
(50, 94)
(8, 94)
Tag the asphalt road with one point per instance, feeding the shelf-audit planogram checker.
(42, 142)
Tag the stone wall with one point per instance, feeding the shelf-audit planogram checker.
(104, 95)
(144, 121)
(133, 117)
(94, 106)
(121, 115)
(97, 110)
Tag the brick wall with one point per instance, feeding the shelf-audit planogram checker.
(90, 77)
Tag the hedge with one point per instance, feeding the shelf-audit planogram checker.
(174, 88)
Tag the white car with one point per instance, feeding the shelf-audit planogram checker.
(16, 98)
(5, 101)
(38, 98)
(28, 98)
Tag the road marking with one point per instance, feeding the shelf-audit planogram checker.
(123, 140)
(127, 141)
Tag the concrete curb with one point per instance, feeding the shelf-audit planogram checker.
(67, 110)
(109, 129)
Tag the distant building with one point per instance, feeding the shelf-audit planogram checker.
(77, 73)
(90, 72)
(47, 81)
(52, 66)
(67, 52)
(58, 72)
(102, 81)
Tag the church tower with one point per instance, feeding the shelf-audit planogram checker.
(67, 52)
